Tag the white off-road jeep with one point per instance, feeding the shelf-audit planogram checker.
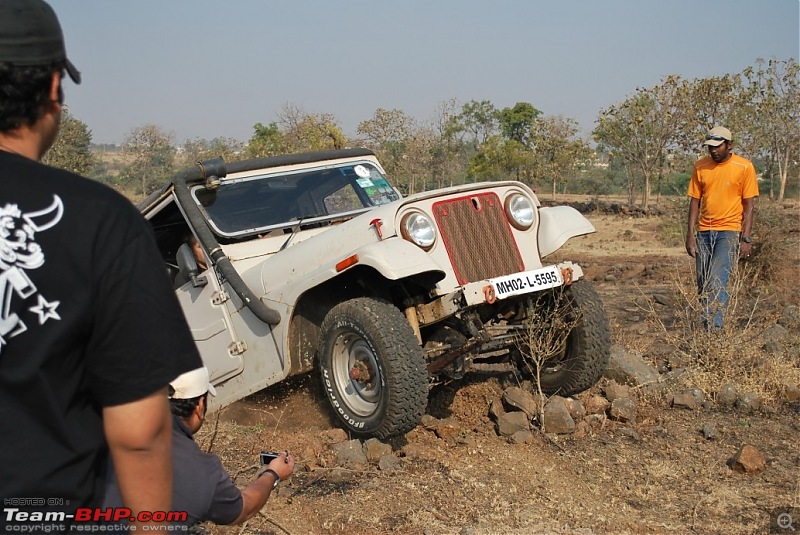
(317, 263)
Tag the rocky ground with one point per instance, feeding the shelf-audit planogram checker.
(663, 447)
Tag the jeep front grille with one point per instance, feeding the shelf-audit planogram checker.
(478, 237)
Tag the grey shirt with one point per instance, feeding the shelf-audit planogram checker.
(201, 487)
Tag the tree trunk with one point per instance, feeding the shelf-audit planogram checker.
(659, 180)
(631, 192)
(783, 171)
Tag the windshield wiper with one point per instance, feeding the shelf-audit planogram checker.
(296, 227)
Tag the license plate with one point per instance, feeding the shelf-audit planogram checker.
(527, 282)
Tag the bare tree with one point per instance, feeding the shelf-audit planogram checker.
(557, 149)
(774, 90)
(643, 129)
(387, 133)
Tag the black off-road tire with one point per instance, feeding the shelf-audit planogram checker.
(378, 335)
(588, 345)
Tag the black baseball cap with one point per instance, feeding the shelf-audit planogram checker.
(30, 34)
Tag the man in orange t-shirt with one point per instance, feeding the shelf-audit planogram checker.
(722, 192)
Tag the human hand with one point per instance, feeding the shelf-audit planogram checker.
(283, 465)
(691, 245)
(745, 249)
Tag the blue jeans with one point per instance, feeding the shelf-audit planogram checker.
(717, 251)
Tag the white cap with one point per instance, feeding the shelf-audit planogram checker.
(716, 136)
(192, 384)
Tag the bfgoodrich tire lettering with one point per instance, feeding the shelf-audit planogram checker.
(372, 368)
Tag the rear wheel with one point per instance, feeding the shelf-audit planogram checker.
(583, 346)
(372, 368)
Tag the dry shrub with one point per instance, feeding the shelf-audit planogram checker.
(545, 337)
(760, 288)
(543, 341)
(774, 264)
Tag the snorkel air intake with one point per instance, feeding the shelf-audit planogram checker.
(210, 172)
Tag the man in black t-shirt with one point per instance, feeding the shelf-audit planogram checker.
(90, 330)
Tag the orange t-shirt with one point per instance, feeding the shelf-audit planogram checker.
(721, 188)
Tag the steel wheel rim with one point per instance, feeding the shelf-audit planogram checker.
(348, 350)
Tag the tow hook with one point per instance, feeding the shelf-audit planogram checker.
(488, 294)
(360, 372)
(566, 274)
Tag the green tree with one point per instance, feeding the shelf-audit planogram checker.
(71, 149)
(296, 131)
(500, 158)
(316, 132)
(516, 123)
(266, 141)
(558, 150)
(478, 119)
(151, 158)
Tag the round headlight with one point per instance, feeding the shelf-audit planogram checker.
(418, 228)
(520, 210)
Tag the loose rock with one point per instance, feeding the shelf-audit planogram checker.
(623, 410)
(628, 367)
(748, 402)
(518, 399)
(792, 393)
(596, 404)
(511, 422)
(374, 449)
(709, 431)
(727, 395)
(350, 454)
(575, 408)
(556, 417)
(616, 391)
(684, 400)
(748, 460)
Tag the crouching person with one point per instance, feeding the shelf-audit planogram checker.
(201, 486)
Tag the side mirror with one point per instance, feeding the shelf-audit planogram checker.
(187, 266)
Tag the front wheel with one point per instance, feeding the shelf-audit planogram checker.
(372, 368)
(584, 348)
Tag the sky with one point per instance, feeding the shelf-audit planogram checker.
(201, 69)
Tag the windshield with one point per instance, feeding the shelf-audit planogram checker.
(264, 202)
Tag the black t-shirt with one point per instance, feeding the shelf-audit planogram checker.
(88, 320)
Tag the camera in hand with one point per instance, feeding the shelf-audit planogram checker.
(268, 456)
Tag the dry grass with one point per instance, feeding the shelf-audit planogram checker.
(758, 296)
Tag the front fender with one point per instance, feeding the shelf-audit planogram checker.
(558, 224)
(396, 258)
